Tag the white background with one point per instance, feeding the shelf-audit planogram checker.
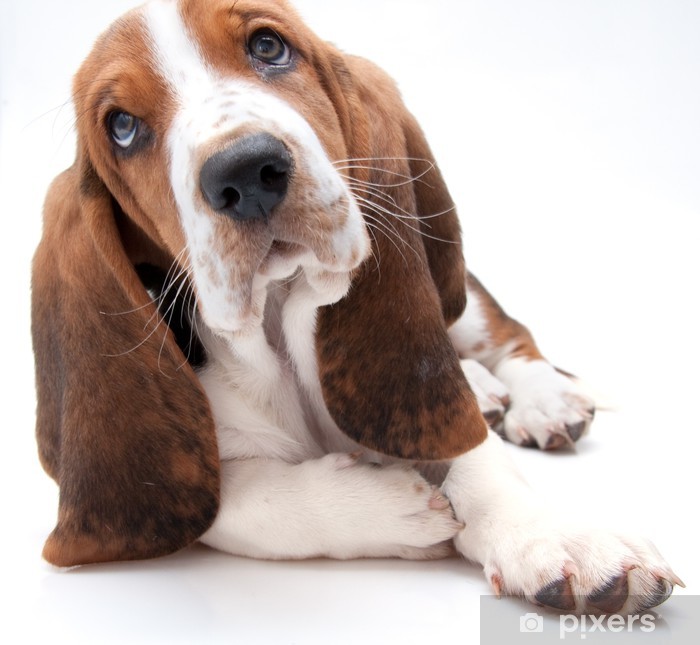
(568, 133)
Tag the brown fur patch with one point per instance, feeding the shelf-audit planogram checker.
(503, 330)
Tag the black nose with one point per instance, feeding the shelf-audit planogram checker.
(248, 179)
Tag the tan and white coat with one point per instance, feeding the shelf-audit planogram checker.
(334, 329)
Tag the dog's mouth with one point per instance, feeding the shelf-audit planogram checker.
(285, 257)
(324, 262)
(282, 260)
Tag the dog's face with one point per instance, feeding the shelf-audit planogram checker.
(228, 146)
(212, 128)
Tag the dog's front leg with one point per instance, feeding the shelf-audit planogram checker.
(528, 550)
(330, 507)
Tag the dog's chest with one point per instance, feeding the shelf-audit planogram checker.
(263, 386)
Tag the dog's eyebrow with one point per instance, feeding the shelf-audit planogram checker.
(247, 15)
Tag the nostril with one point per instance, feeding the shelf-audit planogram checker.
(230, 196)
(273, 177)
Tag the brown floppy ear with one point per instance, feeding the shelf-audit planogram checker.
(390, 376)
(122, 422)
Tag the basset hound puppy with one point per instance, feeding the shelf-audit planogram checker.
(250, 328)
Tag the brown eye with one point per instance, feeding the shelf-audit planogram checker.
(268, 47)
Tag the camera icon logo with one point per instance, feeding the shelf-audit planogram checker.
(531, 623)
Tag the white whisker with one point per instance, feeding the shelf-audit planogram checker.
(357, 159)
(408, 178)
(380, 210)
(374, 192)
(355, 164)
(379, 226)
(405, 220)
(173, 279)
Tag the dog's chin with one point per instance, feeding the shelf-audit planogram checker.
(325, 279)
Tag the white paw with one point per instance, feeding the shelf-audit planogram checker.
(526, 549)
(579, 571)
(547, 409)
(388, 511)
(491, 395)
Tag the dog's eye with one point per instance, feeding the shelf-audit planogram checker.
(268, 47)
(123, 128)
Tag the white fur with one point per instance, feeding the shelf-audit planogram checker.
(491, 395)
(332, 507)
(543, 401)
(470, 335)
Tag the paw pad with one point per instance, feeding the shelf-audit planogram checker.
(557, 595)
(612, 598)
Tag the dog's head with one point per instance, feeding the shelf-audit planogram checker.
(222, 145)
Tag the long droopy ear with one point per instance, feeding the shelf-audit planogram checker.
(123, 425)
(390, 376)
